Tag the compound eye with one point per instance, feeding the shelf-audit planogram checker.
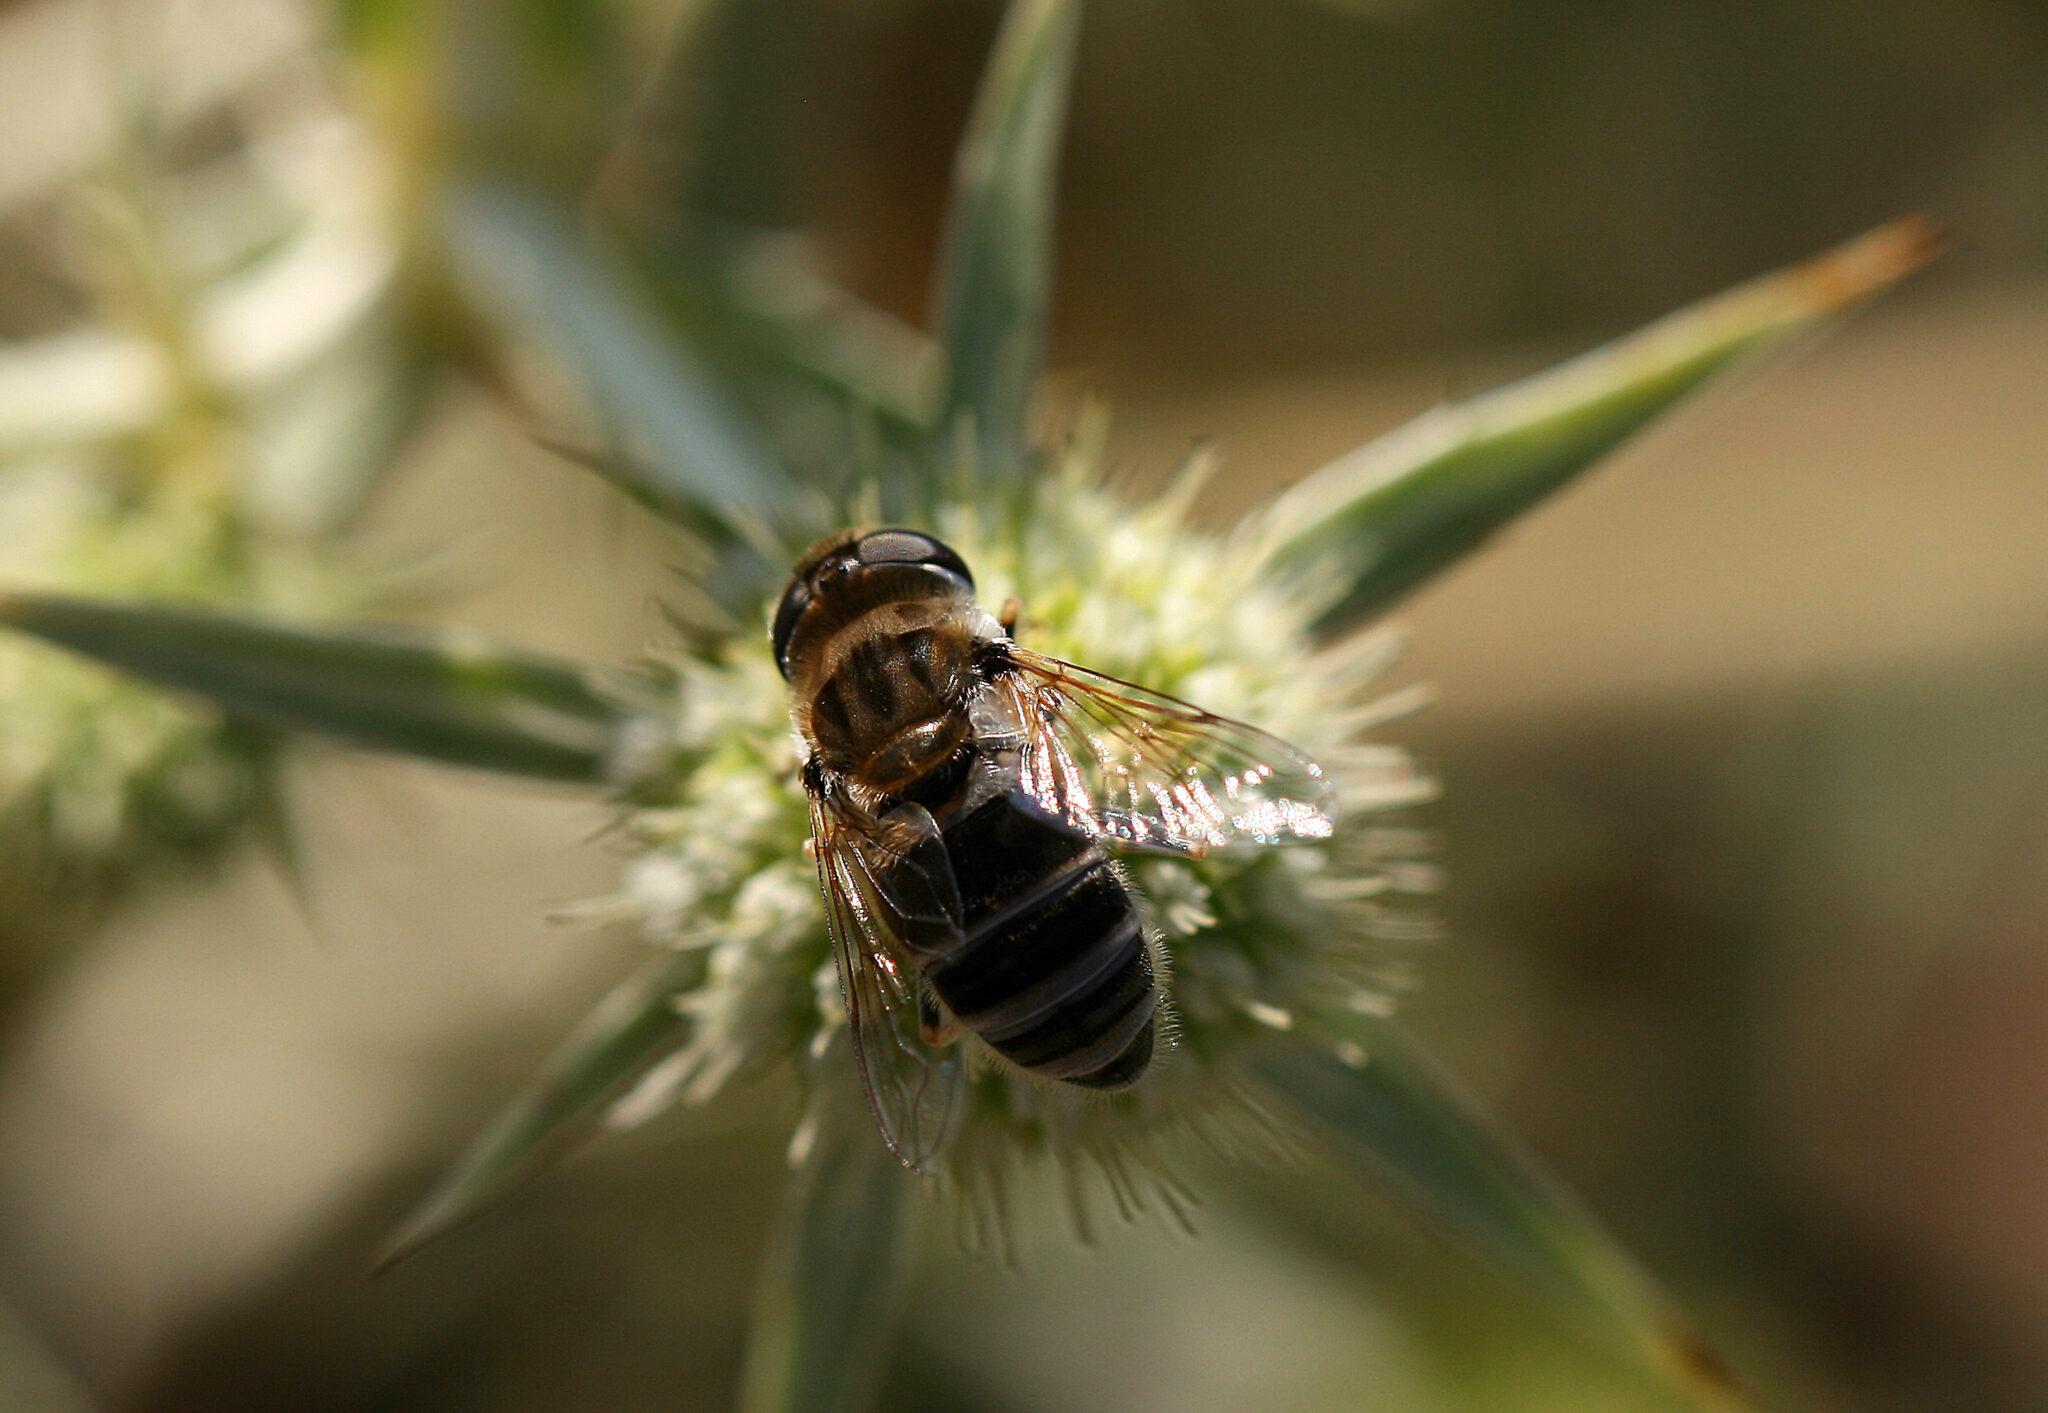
(795, 599)
(910, 547)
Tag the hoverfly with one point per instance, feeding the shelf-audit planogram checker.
(965, 793)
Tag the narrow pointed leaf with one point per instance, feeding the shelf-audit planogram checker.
(1399, 1118)
(689, 452)
(745, 68)
(740, 280)
(996, 270)
(444, 696)
(276, 828)
(1378, 522)
(630, 1030)
(764, 301)
(834, 1275)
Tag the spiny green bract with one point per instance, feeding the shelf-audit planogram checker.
(1247, 941)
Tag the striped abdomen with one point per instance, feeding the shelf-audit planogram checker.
(1053, 971)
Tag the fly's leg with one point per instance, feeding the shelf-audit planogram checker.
(939, 1029)
(1011, 616)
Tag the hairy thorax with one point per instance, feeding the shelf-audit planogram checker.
(887, 693)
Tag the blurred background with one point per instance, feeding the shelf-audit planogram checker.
(1744, 740)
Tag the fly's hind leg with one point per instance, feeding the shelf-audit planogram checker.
(938, 1027)
(1011, 616)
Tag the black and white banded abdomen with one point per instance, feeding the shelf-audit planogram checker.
(1053, 971)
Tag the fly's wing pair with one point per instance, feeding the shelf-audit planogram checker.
(1136, 768)
(889, 893)
(1149, 772)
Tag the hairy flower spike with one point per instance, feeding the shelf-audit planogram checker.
(1244, 942)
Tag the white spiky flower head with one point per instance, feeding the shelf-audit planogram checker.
(1246, 943)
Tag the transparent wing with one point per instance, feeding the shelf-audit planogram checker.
(1151, 772)
(889, 892)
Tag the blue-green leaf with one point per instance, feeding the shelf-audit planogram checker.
(446, 696)
(1376, 523)
(834, 1275)
(751, 292)
(688, 452)
(1383, 1105)
(630, 1030)
(762, 299)
(744, 68)
(996, 269)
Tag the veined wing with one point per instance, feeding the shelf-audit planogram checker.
(1151, 772)
(889, 891)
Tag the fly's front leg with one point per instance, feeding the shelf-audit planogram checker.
(1011, 616)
